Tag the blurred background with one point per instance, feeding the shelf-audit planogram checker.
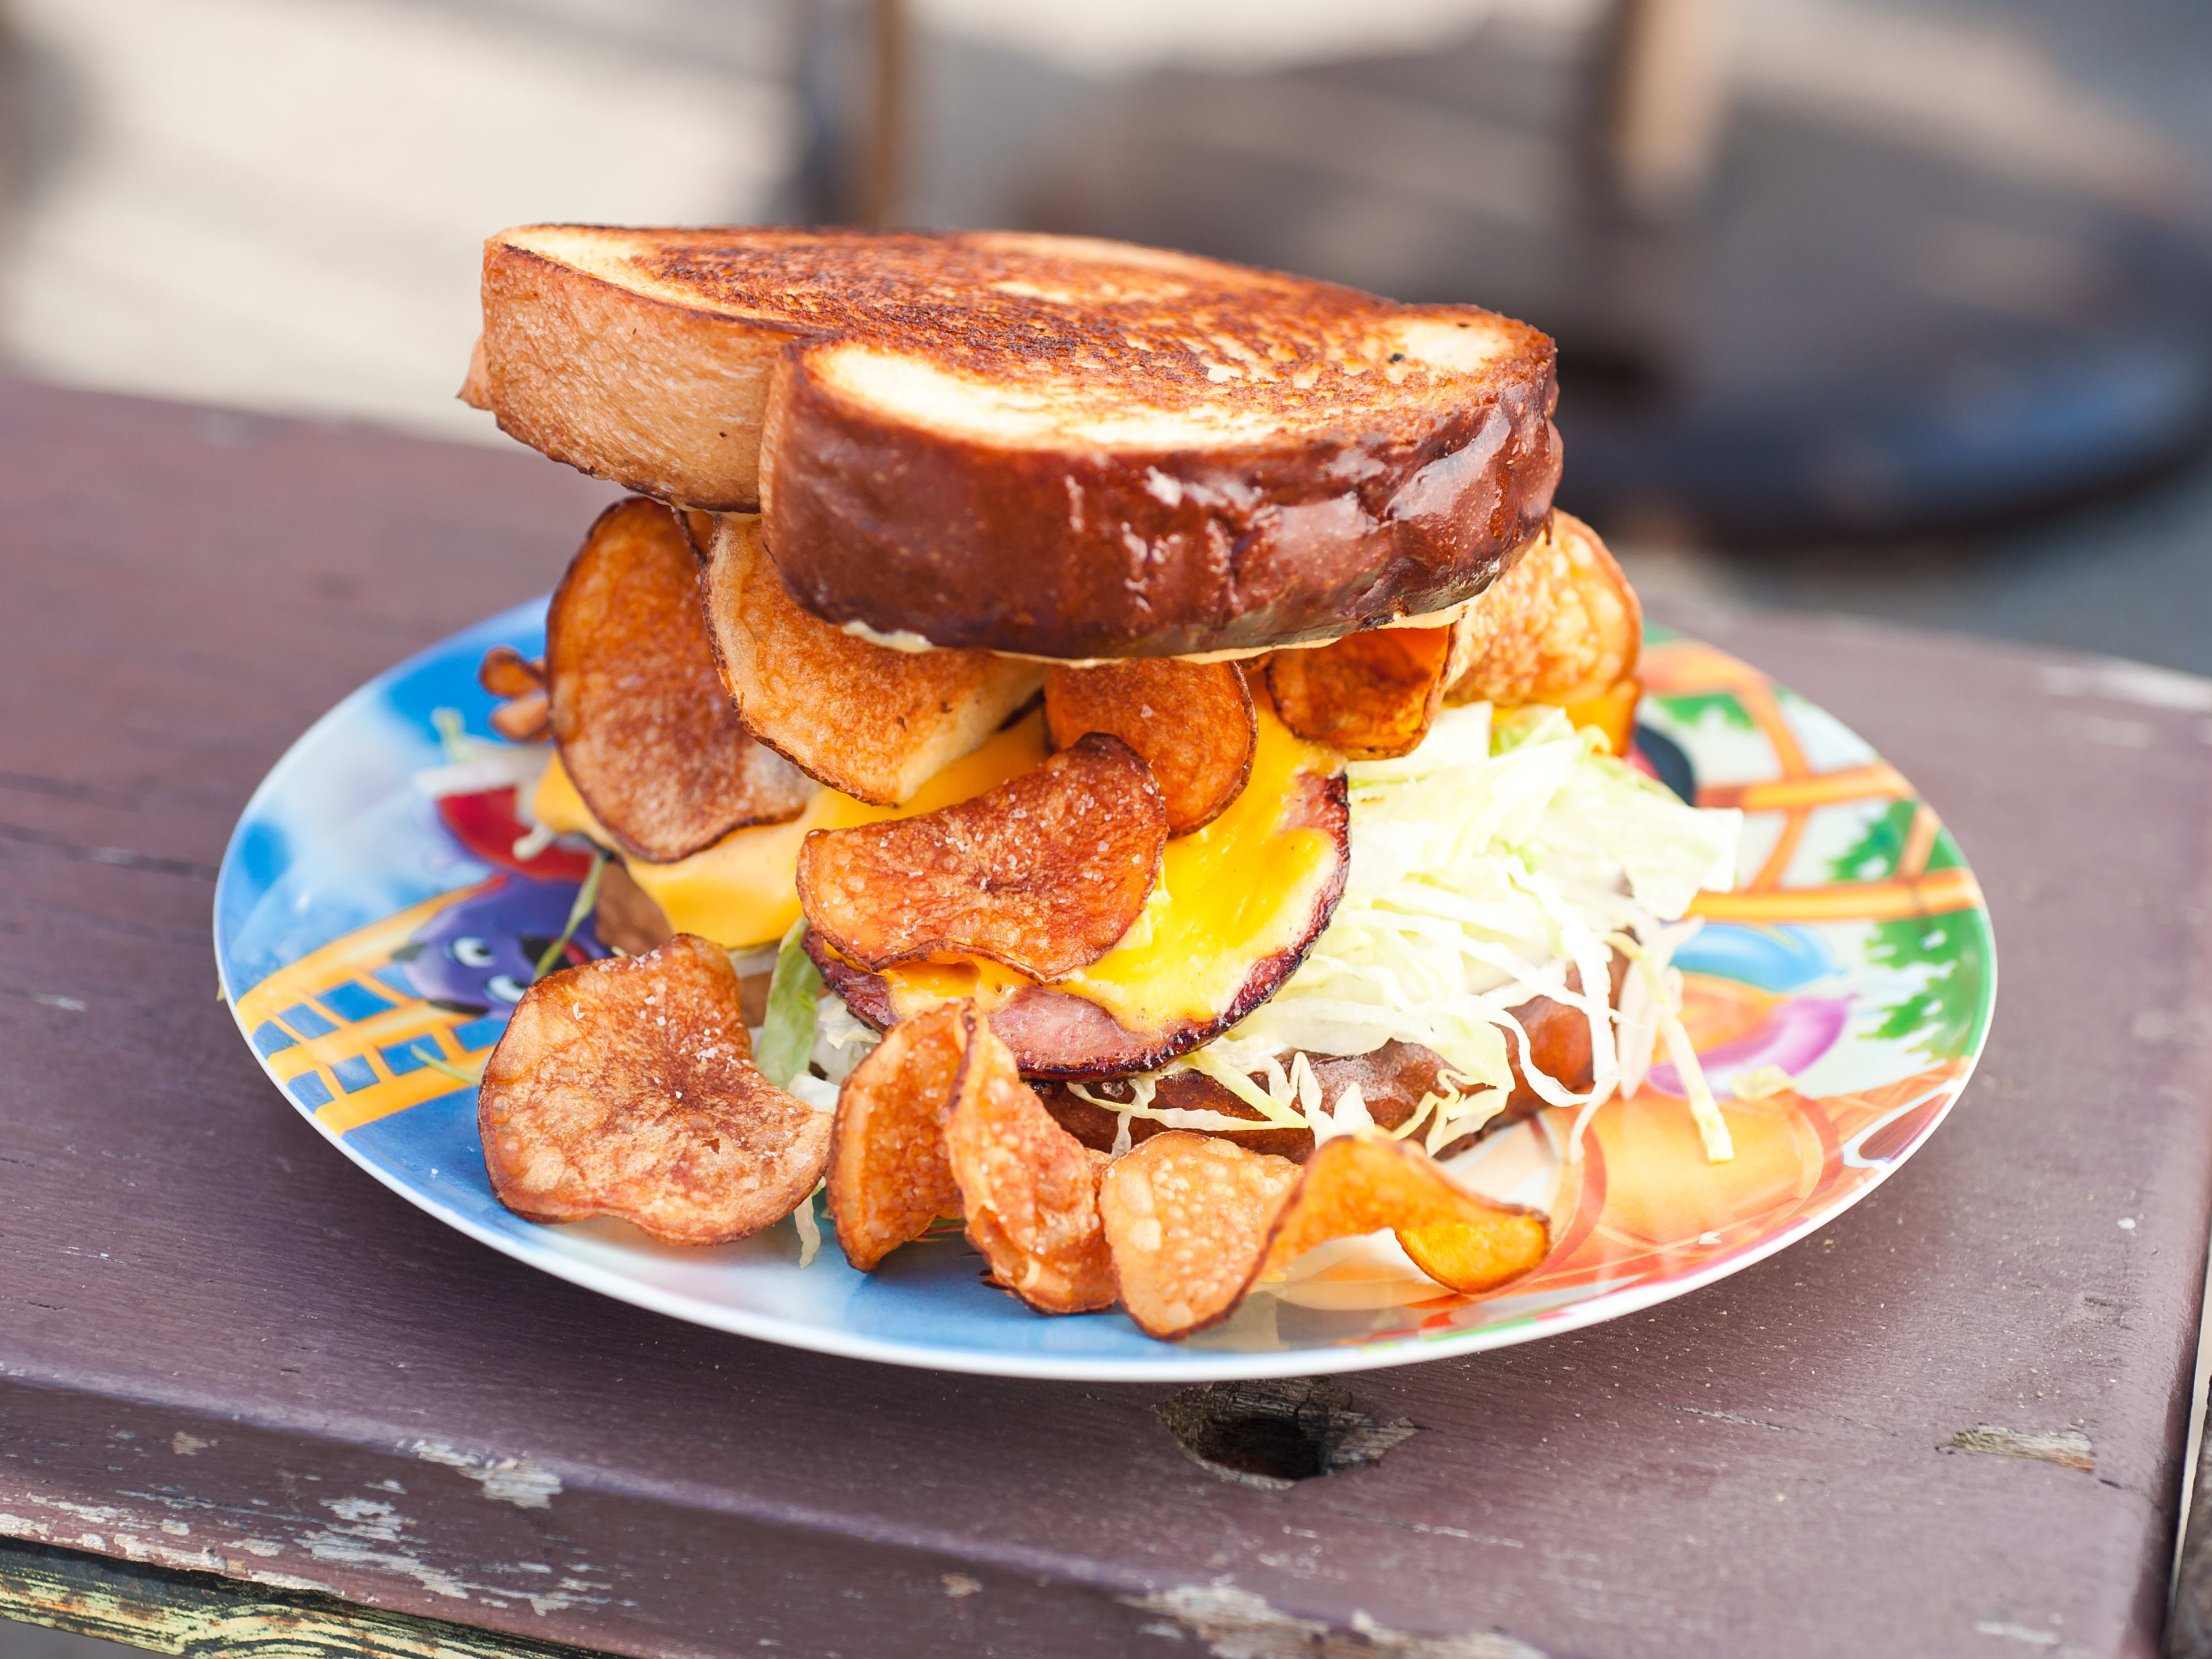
(1901, 307)
(1893, 308)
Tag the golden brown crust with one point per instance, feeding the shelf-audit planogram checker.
(1077, 552)
(647, 732)
(657, 397)
(1223, 457)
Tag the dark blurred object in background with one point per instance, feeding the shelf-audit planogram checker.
(1816, 269)
(1823, 271)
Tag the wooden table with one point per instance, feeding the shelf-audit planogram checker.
(245, 1391)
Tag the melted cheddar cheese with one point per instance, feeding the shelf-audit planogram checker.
(742, 890)
(1239, 890)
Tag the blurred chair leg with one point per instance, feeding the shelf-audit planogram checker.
(1663, 92)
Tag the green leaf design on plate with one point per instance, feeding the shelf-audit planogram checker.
(1874, 855)
(1691, 709)
(1947, 1012)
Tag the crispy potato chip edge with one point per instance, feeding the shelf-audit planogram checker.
(625, 1087)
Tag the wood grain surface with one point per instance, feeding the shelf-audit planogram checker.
(1951, 1423)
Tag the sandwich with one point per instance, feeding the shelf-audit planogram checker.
(1112, 749)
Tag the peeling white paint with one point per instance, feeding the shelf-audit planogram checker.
(1236, 1623)
(342, 1550)
(515, 1480)
(98, 1514)
(364, 1533)
(366, 1518)
(289, 1581)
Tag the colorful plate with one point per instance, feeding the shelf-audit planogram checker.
(361, 925)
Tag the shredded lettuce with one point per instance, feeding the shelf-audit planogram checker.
(787, 1038)
(1484, 866)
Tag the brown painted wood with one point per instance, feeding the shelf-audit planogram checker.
(223, 1349)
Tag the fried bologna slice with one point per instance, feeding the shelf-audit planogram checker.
(625, 1087)
(647, 732)
(1371, 695)
(1194, 1222)
(874, 723)
(889, 1178)
(1562, 626)
(1030, 1189)
(1185, 1218)
(1193, 723)
(1393, 1081)
(1078, 429)
(1043, 873)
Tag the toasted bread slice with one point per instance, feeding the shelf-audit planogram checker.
(1052, 446)
(872, 722)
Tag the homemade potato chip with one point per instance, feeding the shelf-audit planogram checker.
(889, 1178)
(1475, 1257)
(525, 714)
(1029, 1188)
(1193, 723)
(647, 732)
(1055, 1032)
(1562, 626)
(1043, 873)
(1358, 1183)
(505, 672)
(871, 722)
(1186, 1218)
(1193, 1222)
(1371, 695)
(525, 718)
(625, 1087)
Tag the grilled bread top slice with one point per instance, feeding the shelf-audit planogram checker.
(1045, 445)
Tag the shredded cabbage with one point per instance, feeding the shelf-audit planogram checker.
(1484, 865)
